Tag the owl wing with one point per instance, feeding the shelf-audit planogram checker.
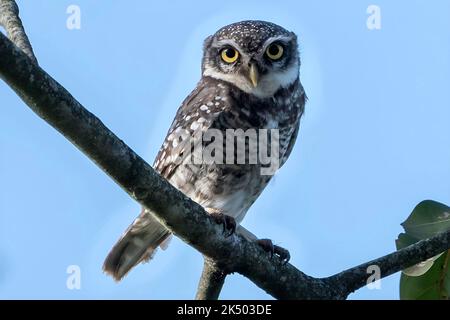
(196, 114)
(300, 103)
(146, 233)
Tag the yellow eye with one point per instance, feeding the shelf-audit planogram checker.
(275, 51)
(229, 55)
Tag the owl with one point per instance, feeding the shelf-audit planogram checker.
(250, 81)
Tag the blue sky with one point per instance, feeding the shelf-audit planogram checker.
(373, 142)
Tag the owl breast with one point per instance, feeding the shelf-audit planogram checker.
(230, 186)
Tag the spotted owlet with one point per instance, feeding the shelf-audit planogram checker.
(250, 81)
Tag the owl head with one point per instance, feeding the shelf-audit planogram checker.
(258, 57)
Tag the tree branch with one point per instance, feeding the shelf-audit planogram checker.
(178, 213)
(211, 281)
(355, 278)
(9, 19)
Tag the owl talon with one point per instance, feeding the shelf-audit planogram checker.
(228, 222)
(268, 246)
(284, 254)
(231, 225)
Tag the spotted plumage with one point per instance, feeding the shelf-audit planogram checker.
(250, 80)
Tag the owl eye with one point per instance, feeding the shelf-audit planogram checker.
(275, 51)
(229, 55)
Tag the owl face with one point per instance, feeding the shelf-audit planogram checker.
(258, 57)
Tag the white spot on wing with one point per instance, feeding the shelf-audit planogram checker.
(195, 125)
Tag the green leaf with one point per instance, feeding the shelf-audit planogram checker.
(433, 285)
(431, 278)
(427, 219)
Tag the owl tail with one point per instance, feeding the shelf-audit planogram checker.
(137, 244)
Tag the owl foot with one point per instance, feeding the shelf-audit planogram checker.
(229, 224)
(268, 246)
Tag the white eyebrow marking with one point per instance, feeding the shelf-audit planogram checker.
(230, 42)
(284, 39)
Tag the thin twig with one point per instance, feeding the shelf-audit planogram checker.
(9, 19)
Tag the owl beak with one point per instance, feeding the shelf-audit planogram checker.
(254, 74)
